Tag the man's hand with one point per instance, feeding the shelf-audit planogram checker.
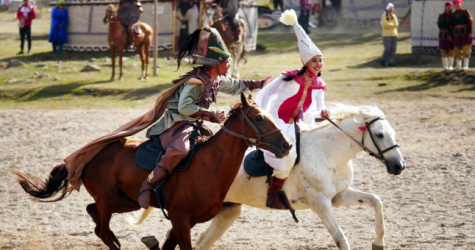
(220, 116)
(267, 80)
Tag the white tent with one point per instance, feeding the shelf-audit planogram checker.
(424, 29)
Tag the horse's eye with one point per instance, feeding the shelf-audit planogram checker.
(259, 118)
(379, 135)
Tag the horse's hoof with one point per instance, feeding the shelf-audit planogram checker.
(112, 79)
(376, 247)
(120, 79)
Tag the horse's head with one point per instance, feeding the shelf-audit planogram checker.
(380, 138)
(259, 129)
(110, 14)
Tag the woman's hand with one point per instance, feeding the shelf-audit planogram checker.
(325, 113)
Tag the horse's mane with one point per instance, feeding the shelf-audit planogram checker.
(340, 111)
(230, 117)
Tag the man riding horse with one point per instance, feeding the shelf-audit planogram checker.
(176, 111)
(129, 14)
(191, 102)
(229, 9)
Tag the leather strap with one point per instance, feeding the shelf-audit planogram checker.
(356, 141)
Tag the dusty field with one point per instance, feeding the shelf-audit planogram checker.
(430, 206)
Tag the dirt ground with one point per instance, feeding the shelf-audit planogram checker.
(430, 206)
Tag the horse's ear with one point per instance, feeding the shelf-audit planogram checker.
(244, 100)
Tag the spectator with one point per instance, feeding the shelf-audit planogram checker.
(59, 20)
(462, 35)
(188, 17)
(330, 17)
(277, 4)
(389, 26)
(445, 37)
(304, 16)
(26, 13)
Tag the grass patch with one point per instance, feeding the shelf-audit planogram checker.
(352, 70)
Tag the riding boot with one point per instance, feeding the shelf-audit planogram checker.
(153, 179)
(273, 193)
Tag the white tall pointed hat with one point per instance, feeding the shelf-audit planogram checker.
(306, 47)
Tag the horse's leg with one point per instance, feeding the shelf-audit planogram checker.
(351, 197)
(322, 206)
(240, 50)
(182, 231)
(170, 242)
(141, 54)
(121, 52)
(147, 57)
(219, 225)
(112, 50)
(234, 52)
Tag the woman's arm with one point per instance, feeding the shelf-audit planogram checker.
(265, 95)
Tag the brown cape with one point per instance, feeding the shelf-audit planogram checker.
(76, 161)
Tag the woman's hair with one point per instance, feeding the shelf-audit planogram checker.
(301, 72)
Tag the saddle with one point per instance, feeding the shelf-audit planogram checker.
(150, 153)
(255, 166)
(254, 163)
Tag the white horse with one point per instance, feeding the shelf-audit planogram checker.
(322, 180)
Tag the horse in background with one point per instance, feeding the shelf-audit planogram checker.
(117, 39)
(237, 47)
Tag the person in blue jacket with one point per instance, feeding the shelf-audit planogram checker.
(58, 35)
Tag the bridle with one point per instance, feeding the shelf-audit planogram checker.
(380, 154)
(249, 140)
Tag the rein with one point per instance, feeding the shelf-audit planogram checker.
(250, 141)
(380, 154)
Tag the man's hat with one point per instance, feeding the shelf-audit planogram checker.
(216, 50)
(216, 47)
(306, 47)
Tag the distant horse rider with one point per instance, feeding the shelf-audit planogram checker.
(129, 14)
(230, 10)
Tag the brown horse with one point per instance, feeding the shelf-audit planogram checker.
(117, 38)
(193, 196)
(237, 46)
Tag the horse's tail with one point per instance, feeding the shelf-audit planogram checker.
(43, 189)
(143, 216)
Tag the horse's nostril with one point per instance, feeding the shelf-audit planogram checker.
(286, 145)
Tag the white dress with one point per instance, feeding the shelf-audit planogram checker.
(271, 98)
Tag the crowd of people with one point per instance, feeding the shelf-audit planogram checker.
(455, 36)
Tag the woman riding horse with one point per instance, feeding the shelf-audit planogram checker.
(296, 93)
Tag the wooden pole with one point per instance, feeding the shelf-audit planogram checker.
(155, 37)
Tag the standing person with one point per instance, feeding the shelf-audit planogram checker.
(445, 37)
(26, 13)
(59, 19)
(462, 35)
(278, 4)
(182, 21)
(389, 24)
(304, 16)
(295, 96)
